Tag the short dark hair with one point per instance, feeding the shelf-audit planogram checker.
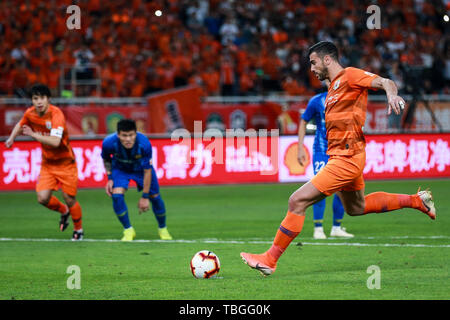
(126, 125)
(324, 48)
(40, 89)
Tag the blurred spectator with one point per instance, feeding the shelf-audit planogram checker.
(229, 32)
(211, 79)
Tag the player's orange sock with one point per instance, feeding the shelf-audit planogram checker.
(382, 202)
(75, 212)
(56, 205)
(289, 229)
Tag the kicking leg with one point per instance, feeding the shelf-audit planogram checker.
(356, 204)
(290, 227)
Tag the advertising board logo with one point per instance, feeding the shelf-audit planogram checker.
(291, 162)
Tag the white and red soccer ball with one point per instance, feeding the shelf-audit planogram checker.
(205, 264)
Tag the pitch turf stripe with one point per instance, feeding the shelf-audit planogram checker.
(215, 241)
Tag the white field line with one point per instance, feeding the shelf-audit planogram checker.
(216, 241)
(365, 238)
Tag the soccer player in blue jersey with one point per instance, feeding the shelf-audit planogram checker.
(316, 110)
(127, 155)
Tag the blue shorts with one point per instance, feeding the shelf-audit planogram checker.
(122, 179)
(319, 161)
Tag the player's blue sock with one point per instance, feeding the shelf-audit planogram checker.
(319, 210)
(159, 209)
(338, 211)
(121, 210)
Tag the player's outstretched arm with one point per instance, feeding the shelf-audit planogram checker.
(52, 141)
(17, 130)
(144, 202)
(395, 102)
(301, 156)
(110, 183)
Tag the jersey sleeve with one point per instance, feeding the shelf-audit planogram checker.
(58, 124)
(146, 154)
(25, 119)
(107, 149)
(310, 110)
(358, 78)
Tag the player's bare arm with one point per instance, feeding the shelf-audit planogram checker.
(17, 130)
(395, 102)
(144, 202)
(301, 156)
(110, 183)
(52, 141)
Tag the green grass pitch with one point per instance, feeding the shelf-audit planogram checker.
(411, 250)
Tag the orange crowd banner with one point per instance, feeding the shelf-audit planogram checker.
(174, 109)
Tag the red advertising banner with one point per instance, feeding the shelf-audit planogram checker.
(84, 120)
(387, 157)
(407, 156)
(183, 162)
(236, 160)
(180, 108)
(93, 120)
(20, 165)
(241, 116)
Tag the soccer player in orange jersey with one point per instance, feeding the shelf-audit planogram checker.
(345, 114)
(46, 123)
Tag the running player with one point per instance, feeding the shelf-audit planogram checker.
(345, 114)
(46, 124)
(127, 155)
(316, 110)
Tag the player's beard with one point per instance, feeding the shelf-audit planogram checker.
(323, 74)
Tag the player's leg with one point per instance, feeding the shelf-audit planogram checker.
(290, 227)
(121, 180)
(330, 179)
(76, 213)
(356, 203)
(318, 213)
(378, 202)
(353, 201)
(67, 177)
(319, 161)
(338, 215)
(158, 206)
(44, 191)
(338, 211)
(121, 210)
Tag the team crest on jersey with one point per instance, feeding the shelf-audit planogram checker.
(48, 124)
(138, 156)
(332, 99)
(336, 84)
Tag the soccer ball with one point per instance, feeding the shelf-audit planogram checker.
(205, 264)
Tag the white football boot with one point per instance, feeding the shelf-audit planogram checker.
(318, 233)
(340, 232)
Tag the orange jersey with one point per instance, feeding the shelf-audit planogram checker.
(345, 111)
(52, 123)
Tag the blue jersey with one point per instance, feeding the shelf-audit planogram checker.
(316, 109)
(131, 160)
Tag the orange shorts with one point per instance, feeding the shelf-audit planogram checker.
(52, 177)
(341, 173)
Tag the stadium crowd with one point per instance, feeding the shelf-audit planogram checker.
(229, 47)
